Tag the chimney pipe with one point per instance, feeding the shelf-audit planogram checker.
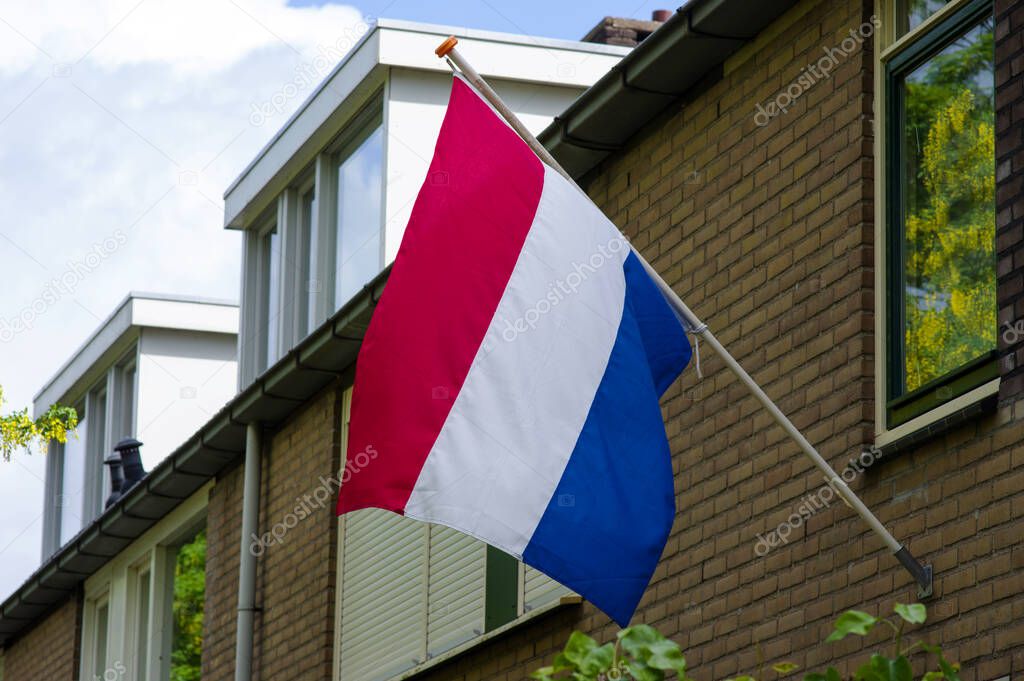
(116, 479)
(131, 461)
(661, 15)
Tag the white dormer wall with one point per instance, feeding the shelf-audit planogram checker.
(184, 378)
(414, 109)
(156, 369)
(392, 80)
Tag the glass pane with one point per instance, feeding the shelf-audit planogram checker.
(97, 476)
(307, 279)
(360, 185)
(142, 627)
(100, 652)
(911, 13)
(126, 419)
(271, 286)
(948, 188)
(73, 481)
(189, 597)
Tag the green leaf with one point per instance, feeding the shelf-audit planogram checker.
(915, 613)
(785, 667)
(597, 661)
(882, 668)
(830, 675)
(933, 676)
(852, 622)
(635, 640)
(641, 672)
(742, 678)
(665, 654)
(949, 670)
(543, 674)
(578, 647)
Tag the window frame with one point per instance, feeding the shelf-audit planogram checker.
(97, 441)
(364, 124)
(903, 414)
(90, 631)
(267, 312)
(117, 582)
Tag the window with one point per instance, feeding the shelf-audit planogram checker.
(72, 483)
(144, 609)
(940, 214)
(77, 482)
(187, 609)
(124, 422)
(96, 632)
(308, 282)
(911, 13)
(269, 282)
(141, 630)
(360, 188)
(409, 591)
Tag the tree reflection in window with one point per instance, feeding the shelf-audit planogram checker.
(948, 188)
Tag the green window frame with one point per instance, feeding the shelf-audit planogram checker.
(902, 404)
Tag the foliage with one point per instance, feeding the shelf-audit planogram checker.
(189, 601)
(641, 653)
(19, 430)
(949, 228)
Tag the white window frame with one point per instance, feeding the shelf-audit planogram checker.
(886, 46)
(117, 581)
(99, 443)
(90, 632)
(285, 212)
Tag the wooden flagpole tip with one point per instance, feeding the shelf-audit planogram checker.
(446, 47)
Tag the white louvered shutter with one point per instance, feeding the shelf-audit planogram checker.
(537, 588)
(384, 595)
(456, 589)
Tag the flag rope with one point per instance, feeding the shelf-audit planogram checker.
(922, 574)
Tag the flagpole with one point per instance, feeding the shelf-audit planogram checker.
(922, 574)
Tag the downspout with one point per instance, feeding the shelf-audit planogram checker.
(247, 556)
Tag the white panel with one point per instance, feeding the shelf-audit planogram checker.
(456, 592)
(383, 595)
(416, 105)
(505, 444)
(183, 379)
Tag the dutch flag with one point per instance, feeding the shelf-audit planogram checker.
(509, 379)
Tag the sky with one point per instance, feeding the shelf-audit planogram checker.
(122, 122)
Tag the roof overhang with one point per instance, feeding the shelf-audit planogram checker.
(656, 74)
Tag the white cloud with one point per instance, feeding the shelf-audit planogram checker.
(142, 135)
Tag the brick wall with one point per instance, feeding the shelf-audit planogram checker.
(1010, 195)
(223, 525)
(296, 570)
(767, 231)
(50, 650)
